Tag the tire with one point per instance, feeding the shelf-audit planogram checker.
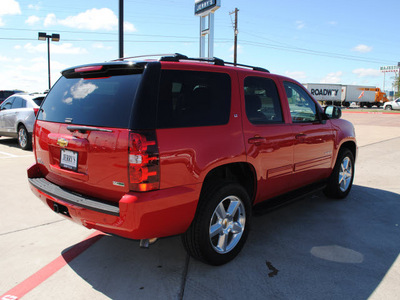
(216, 236)
(388, 107)
(341, 179)
(24, 138)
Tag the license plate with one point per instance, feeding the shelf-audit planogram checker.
(69, 159)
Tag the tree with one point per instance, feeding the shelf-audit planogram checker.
(397, 85)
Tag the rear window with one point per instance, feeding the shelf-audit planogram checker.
(191, 99)
(101, 102)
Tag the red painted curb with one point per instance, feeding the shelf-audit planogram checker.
(47, 271)
(369, 112)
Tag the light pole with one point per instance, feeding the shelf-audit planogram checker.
(55, 38)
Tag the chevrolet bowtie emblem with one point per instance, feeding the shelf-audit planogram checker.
(62, 142)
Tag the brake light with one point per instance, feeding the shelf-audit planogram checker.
(88, 69)
(36, 110)
(143, 161)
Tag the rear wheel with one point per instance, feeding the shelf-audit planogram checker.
(221, 225)
(341, 179)
(24, 138)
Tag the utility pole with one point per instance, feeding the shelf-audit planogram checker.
(121, 28)
(236, 34)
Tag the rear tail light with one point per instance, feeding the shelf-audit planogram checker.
(144, 161)
(36, 110)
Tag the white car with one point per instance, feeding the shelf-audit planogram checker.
(395, 104)
(17, 117)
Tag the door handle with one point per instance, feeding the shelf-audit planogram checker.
(257, 140)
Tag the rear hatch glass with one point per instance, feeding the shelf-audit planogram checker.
(105, 102)
(82, 134)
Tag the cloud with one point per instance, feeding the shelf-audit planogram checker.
(8, 59)
(362, 48)
(367, 72)
(129, 27)
(95, 19)
(9, 7)
(298, 75)
(334, 77)
(332, 23)
(63, 48)
(32, 20)
(50, 20)
(239, 49)
(300, 25)
(101, 46)
(35, 7)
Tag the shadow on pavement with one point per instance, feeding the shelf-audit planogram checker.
(311, 249)
(9, 142)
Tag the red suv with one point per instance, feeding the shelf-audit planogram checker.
(151, 149)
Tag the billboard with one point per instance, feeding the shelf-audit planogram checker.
(204, 7)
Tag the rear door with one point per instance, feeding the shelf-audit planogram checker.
(5, 114)
(10, 119)
(268, 136)
(82, 133)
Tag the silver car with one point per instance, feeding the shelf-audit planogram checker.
(17, 117)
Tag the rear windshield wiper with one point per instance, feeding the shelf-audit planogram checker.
(84, 129)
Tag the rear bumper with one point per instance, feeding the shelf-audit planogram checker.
(145, 215)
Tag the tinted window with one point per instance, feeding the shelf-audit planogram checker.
(18, 103)
(8, 94)
(262, 101)
(103, 102)
(190, 99)
(38, 101)
(302, 107)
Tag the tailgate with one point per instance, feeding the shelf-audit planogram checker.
(88, 160)
(82, 130)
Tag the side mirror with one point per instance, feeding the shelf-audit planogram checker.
(333, 112)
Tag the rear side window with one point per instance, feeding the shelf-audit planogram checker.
(192, 98)
(18, 103)
(102, 102)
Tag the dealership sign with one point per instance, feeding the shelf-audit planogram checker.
(206, 6)
(390, 69)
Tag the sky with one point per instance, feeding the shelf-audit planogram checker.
(338, 42)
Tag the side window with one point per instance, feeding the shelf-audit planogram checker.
(262, 101)
(302, 108)
(18, 103)
(191, 99)
(7, 104)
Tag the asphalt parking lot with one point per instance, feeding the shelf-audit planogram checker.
(315, 248)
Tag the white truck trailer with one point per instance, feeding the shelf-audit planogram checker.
(326, 94)
(361, 95)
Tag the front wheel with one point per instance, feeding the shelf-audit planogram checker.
(221, 225)
(341, 179)
(388, 107)
(24, 138)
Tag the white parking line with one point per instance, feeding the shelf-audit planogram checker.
(9, 155)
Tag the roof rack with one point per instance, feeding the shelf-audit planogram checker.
(217, 61)
(141, 56)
